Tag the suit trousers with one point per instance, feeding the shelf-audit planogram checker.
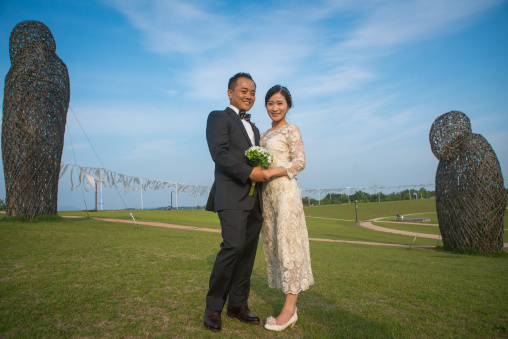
(233, 266)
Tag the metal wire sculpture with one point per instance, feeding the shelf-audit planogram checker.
(36, 100)
(470, 193)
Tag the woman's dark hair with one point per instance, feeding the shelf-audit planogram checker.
(282, 90)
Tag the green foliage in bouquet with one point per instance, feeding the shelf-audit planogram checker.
(258, 156)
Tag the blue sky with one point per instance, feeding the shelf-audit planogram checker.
(368, 78)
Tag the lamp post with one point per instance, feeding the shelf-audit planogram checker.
(356, 211)
(141, 193)
(100, 173)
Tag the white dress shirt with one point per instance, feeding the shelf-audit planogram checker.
(248, 126)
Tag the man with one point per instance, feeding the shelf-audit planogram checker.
(229, 134)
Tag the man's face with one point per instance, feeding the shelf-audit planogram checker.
(243, 95)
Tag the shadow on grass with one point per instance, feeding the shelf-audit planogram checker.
(320, 316)
(502, 254)
(42, 218)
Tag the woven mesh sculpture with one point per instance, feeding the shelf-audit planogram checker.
(470, 193)
(36, 99)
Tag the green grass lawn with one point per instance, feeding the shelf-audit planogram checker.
(335, 227)
(410, 227)
(199, 218)
(349, 230)
(318, 228)
(91, 278)
(432, 216)
(418, 229)
(372, 209)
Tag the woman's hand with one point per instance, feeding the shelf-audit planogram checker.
(275, 172)
(258, 175)
(267, 173)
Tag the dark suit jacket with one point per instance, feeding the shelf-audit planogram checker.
(227, 141)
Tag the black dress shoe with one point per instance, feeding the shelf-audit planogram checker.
(212, 320)
(242, 313)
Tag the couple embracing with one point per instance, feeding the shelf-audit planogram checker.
(275, 209)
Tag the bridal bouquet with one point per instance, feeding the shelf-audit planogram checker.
(258, 156)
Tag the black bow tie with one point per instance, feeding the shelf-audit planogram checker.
(245, 116)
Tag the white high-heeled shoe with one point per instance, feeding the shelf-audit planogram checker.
(275, 327)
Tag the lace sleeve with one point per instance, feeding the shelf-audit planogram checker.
(296, 151)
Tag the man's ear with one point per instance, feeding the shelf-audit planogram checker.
(230, 93)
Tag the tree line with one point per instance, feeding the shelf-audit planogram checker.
(361, 196)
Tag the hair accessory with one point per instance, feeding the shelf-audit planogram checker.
(282, 88)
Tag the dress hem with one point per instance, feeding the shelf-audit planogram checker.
(300, 290)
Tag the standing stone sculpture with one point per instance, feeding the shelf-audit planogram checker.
(36, 99)
(470, 193)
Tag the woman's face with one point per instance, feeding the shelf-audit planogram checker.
(277, 107)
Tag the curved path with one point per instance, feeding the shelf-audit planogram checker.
(366, 224)
(214, 230)
(369, 224)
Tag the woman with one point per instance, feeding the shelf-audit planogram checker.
(284, 233)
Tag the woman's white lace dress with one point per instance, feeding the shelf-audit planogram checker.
(284, 233)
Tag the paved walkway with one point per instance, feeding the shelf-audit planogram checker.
(308, 216)
(369, 224)
(406, 223)
(214, 230)
(366, 224)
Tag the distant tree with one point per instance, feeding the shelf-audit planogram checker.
(326, 201)
(2, 205)
(423, 193)
(361, 196)
(309, 201)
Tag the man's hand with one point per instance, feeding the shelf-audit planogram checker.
(257, 175)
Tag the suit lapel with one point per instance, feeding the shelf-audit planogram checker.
(239, 122)
(256, 134)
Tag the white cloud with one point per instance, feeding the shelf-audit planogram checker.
(133, 119)
(392, 23)
(328, 55)
(169, 92)
(292, 44)
(175, 26)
